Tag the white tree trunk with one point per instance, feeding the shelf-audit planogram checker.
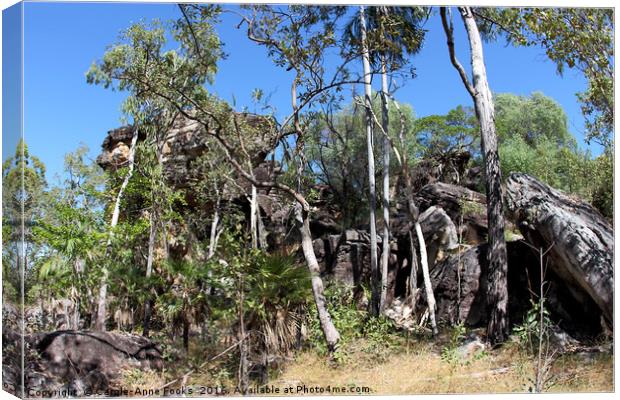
(103, 290)
(385, 252)
(372, 194)
(301, 215)
(149, 270)
(329, 330)
(253, 217)
(262, 232)
(413, 273)
(430, 297)
(214, 225)
(497, 292)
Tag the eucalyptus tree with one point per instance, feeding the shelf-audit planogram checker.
(178, 76)
(386, 39)
(478, 88)
(297, 38)
(576, 38)
(137, 64)
(372, 194)
(335, 148)
(395, 35)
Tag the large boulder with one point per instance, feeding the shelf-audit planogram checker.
(439, 233)
(345, 258)
(72, 363)
(460, 285)
(580, 240)
(184, 143)
(84, 360)
(466, 208)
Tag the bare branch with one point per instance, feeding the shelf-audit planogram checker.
(449, 30)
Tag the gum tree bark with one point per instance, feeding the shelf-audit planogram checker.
(303, 223)
(497, 289)
(372, 193)
(385, 251)
(253, 217)
(103, 290)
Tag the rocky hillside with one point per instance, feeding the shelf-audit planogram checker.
(578, 265)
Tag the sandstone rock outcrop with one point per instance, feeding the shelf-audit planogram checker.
(466, 208)
(580, 239)
(459, 284)
(76, 362)
(184, 143)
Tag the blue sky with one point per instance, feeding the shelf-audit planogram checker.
(61, 40)
(11, 80)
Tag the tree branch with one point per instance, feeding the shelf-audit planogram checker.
(449, 30)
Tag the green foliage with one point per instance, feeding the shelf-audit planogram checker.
(534, 139)
(395, 33)
(271, 289)
(603, 183)
(357, 328)
(379, 334)
(579, 38)
(535, 119)
(439, 135)
(185, 300)
(336, 154)
(347, 319)
(450, 353)
(529, 331)
(564, 168)
(23, 207)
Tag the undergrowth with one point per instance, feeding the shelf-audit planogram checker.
(360, 333)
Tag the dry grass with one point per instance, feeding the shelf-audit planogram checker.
(422, 371)
(416, 368)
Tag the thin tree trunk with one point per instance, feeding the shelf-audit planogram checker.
(253, 213)
(153, 220)
(262, 232)
(430, 297)
(214, 224)
(214, 236)
(78, 270)
(186, 336)
(385, 252)
(372, 194)
(103, 290)
(497, 288)
(301, 215)
(414, 215)
(329, 330)
(413, 273)
(149, 271)
(243, 347)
